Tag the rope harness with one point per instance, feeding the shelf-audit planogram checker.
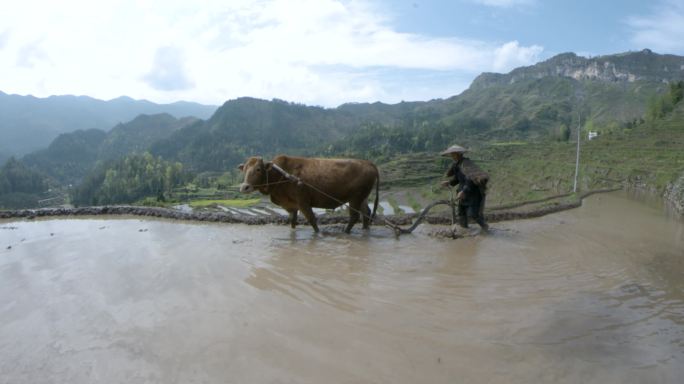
(289, 178)
(292, 178)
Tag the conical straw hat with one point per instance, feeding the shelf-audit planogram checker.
(453, 149)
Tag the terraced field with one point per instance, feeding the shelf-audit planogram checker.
(649, 155)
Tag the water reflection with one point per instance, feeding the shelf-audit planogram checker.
(330, 268)
(654, 200)
(590, 295)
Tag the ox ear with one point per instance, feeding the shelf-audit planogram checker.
(241, 167)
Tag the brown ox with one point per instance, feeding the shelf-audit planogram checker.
(324, 183)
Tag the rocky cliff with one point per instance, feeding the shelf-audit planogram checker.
(624, 67)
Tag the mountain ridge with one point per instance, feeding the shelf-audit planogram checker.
(30, 123)
(528, 103)
(72, 155)
(620, 67)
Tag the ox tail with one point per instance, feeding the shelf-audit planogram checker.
(377, 196)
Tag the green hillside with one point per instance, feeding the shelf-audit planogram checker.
(20, 187)
(537, 108)
(537, 103)
(248, 126)
(72, 155)
(69, 157)
(139, 134)
(649, 155)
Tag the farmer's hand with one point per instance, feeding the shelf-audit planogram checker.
(445, 183)
(460, 195)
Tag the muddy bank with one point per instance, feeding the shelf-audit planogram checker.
(674, 195)
(227, 217)
(222, 217)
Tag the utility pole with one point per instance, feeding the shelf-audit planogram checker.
(579, 129)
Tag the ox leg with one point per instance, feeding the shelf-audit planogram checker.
(308, 213)
(354, 210)
(293, 218)
(366, 214)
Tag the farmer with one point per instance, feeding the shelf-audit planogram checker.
(472, 186)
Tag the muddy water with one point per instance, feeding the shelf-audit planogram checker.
(589, 295)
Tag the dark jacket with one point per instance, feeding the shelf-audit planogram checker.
(471, 192)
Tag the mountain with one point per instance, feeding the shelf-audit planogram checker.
(245, 126)
(4, 157)
(69, 157)
(538, 102)
(624, 67)
(529, 103)
(72, 155)
(29, 123)
(20, 187)
(140, 133)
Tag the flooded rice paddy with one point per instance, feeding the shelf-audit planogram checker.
(594, 294)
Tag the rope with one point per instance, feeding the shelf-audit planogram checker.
(397, 230)
(287, 178)
(273, 183)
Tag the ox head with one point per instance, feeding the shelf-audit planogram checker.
(255, 174)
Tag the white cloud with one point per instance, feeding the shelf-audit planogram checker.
(31, 54)
(312, 51)
(168, 72)
(504, 3)
(4, 37)
(662, 30)
(511, 55)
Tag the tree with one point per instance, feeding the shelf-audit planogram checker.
(130, 179)
(676, 92)
(562, 133)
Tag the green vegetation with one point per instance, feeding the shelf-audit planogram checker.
(130, 179)
(139, 134)
(69, 157)
(394, 204)
(660, 106)
(650, 154)
(411, 199)
(529, 104)
(20, 187)
(73, 155)
(509, 143)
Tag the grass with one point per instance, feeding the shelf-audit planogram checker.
(395, 206)
(651, 154)
(412, 202)
(509, 143)
(234, 203)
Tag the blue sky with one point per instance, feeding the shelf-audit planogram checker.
(317, 52)
(590, 27)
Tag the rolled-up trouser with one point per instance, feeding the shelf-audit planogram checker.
(465, 211)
